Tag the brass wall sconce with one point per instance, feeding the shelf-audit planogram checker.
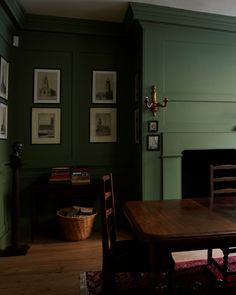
(152, 104)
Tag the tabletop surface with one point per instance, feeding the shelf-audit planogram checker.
(176, 219)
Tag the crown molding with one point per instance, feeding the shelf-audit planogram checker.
(29, 22)
(70, 25)
(14, 12)
(175, 16)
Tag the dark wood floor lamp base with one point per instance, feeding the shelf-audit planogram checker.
(15, 249)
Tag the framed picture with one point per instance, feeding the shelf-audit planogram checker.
(152, 126)
(3, 120)
(46, 86)
(136, 126)
(103, 125)
(4, 75)
(46, 126)
(153, 142)
(104, 87)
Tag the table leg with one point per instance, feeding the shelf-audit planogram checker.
(162, 267)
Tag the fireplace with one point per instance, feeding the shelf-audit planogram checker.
(195, 169)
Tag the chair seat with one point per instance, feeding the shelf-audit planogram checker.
(229, 249)
(129, 255)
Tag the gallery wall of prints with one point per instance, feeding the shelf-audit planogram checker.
(4, 77)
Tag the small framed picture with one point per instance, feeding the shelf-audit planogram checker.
(4, 75)
(103, 125)
(46, 126)
(136, 126)
(47, 86)
(152, 126)
(3, 120)
(104, 87)
(153, 142)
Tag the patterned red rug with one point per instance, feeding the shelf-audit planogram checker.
(192, 277)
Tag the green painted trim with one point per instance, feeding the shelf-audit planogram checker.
(6, 26)
(59, 24)
(14, 11)
(69, 25)
(171, 156)
(167, 15)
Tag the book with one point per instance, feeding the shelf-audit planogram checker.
(76, 179)
(80, 175)
(60, 174)
(76, 211)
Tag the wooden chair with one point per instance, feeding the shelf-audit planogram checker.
(223, 184)
(118, 255)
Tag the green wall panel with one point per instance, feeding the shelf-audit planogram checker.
(7, 30)
(171, 181)
(200, 69)
(5, 197)
(195, 69)
(40, 154)
(76, 55)
(152, 189)
(200, 116)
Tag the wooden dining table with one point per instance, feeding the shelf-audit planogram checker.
(180, 225)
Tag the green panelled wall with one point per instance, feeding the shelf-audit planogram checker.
(76, 48)
(195, 67)
(6, 51)
(77, 56)
(189, 56)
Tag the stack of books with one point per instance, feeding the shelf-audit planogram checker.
(60, 174)
(80, 175)
(76, 211)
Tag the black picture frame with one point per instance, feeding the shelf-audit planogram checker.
(152, 126)
(4, 77)
(3, 120)
(47, 86)
(104, 84)
(45, 125)
(153, 142)
(103, 125)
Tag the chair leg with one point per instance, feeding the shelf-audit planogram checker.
(225, 265)
(209, 256)
(108, 282)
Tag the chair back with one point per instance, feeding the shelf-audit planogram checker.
(222, 181)
(108, 219)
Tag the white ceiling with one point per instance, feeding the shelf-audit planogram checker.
(114, 10)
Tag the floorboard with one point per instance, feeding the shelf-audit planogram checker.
(52, 267)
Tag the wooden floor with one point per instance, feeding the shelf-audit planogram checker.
(52, 267)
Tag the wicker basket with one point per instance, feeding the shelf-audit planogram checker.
(75, 228)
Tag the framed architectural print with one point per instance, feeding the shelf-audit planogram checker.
(136, 126)
(4, 76)
(3, 120)
(103, 125)
(153, 142)
(152, 126)
(104, 87)
(46, 126)
(46, 86)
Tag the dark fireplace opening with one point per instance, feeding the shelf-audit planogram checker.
(196, 169)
